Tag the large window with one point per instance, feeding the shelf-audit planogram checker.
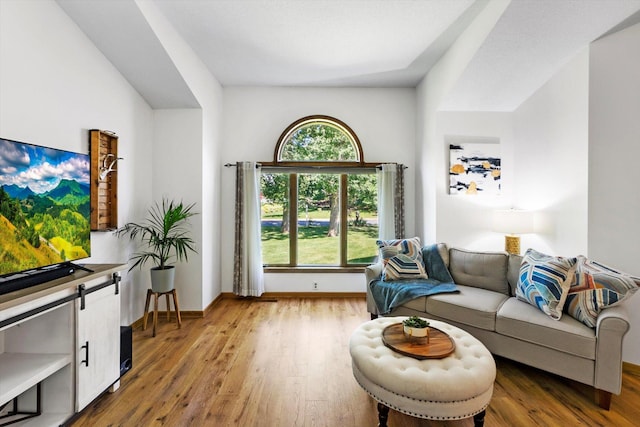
(319, 199)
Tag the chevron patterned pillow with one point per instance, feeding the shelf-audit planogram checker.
(402, 267)
(544, 281)
(595, 288)
(410, 247)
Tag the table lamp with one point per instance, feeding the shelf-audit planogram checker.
(513, 222)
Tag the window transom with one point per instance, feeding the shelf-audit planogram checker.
(318, 139)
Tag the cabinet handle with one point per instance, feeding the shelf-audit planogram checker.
(82, 292)
(86, 353)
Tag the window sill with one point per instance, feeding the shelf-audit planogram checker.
(354, 269)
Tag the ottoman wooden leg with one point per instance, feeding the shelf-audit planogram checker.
(383, 415)
(478, 419)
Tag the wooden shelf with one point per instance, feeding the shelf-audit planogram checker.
(104, 192)
(21, 371)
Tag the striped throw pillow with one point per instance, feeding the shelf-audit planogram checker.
(595, 288)
(401, 267)
(410, 247)
(544, 281)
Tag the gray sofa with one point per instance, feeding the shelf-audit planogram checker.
(487, 308)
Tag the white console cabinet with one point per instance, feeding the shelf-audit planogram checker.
(46, 367)
(97, 344)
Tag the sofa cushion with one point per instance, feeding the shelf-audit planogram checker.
(513, 271)
(486, 270)
(402, 267)
(523, 321)
(417, 304)
(443, 250)
(435, 265)
(471, 306)
(544, 281)
(595, 288)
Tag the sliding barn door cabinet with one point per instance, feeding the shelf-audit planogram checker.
(59, 346)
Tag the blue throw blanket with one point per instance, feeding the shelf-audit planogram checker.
(389, 295)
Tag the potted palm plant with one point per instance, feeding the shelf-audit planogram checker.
(165, 233)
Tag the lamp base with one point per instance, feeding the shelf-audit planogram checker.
(512, 244)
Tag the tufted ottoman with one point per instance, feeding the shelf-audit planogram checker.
(455, 387)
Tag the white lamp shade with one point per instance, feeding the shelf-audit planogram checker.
(513, 221)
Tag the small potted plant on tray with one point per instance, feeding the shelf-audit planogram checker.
(416, 327)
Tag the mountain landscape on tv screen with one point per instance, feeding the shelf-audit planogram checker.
(44, 208)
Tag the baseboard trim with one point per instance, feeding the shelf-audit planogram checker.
(191, 314)
(267, 297)
(213, 303)
(275, 295)
(137, 324)
(630, 368)
(162, 314)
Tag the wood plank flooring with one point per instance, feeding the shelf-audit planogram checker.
(286, 363)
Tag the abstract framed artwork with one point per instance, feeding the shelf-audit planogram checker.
(474, 165)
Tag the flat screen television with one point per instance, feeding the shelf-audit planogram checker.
(45, 208)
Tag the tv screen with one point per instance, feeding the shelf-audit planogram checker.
(44, 206)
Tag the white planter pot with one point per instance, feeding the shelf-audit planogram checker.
(162, 280)
(416, 332)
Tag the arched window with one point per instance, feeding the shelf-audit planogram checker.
(319, 199)
(318, 139)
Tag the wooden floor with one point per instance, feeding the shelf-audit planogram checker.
(286, 363)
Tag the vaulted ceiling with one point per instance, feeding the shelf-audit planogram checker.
(348, 43)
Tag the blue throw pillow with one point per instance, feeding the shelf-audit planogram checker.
(544, 281)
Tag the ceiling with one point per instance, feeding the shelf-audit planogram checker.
(347, 43)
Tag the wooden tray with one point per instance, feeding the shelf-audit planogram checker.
(440, 344)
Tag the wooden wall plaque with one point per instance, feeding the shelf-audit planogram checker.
(104, 192)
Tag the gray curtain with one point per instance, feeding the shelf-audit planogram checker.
(398, 202)
(248, 276)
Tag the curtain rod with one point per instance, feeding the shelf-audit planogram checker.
(229, 165)
(403, 166)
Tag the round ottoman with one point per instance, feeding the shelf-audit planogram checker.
(454, 387)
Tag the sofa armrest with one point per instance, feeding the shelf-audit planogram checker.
(372, 272)
(611, 327)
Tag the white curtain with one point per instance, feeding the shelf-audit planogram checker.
(391, 201)
(386, 174)
(248, 276)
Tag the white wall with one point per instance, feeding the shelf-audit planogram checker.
(254, 118)
(188, 162)
(54, 87)
(467, 221)
(177, 175)
(551, 163)
(430, 93)
(544, 147)
(614, 133)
